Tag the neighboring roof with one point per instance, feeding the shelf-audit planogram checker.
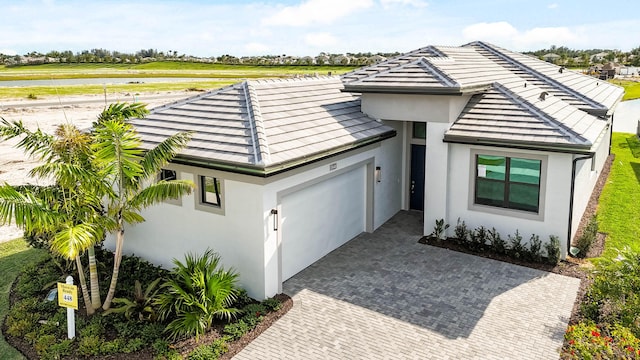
(505, 107)
(264, 127)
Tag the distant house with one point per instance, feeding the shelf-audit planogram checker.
(288, 170)
(551, 57)
(598, 57)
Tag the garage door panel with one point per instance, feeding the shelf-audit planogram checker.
(320, 218)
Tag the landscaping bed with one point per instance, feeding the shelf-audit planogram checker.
(37, 328)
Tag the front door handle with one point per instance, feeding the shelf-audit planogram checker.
(413, 185)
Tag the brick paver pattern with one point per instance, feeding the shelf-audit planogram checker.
(384, 296)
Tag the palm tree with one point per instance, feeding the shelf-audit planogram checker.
(70, 209)
(130, 173)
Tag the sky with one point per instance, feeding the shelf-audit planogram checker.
(308, 27)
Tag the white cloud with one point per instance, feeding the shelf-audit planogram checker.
(506, 35)
(489, 31)
(256, 48)
(8, 52)
(414, 3)
(316, 12)
(552, 6)
(320, 39)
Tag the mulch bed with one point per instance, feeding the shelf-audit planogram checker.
(574, 267)
(184, 347)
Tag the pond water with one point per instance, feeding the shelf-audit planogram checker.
(626, 116)
(97, 81)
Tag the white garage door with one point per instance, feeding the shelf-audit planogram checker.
(321, 217)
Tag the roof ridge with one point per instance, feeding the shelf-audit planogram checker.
(256, 125)
(550, 81)
(439, 73)
(541, 114)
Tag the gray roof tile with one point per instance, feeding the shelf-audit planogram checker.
(265, 123)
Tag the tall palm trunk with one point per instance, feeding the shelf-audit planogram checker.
(83, 287)
(117, 259)
(93, 279)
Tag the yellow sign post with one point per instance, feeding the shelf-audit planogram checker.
(68, 297)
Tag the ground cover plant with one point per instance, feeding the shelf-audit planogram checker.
(37, 327)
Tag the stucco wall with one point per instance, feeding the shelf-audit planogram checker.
(556, 198)
(406, 107)
(172, 231)
(587, 173)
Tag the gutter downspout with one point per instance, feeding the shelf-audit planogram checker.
(611, 134)
(573, 188)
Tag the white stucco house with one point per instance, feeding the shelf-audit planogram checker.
(289, 170)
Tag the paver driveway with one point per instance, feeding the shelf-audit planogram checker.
(384, 296)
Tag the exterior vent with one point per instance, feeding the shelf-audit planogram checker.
(543, 95)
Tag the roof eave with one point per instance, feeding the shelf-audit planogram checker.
(416, 90)
(525, 145)
(260, 170)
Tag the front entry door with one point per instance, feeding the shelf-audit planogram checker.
(416, 198)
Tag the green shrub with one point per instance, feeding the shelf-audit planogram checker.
(133, 345)
(242, 299)
(197, 292)
(272, 304)
(94, 327)
(588, 237)
(90, 345)
(32, 96)
(151, 332)
(516, 247)
(535, 247)
(58, 350)
(553, 250)
(209, 352)
(142, 306)
(439, 229)
(478, 239)
(44, 342)
(586, 340)
(497, 243)
(614, 296)
(114, 346)
(461, 232)
(237, 329)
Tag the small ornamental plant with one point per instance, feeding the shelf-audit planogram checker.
(587, 340)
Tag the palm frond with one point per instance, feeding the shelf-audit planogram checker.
(72, 240)
(121, 112)
(160, 155)
(25, 209)
(161, 191)
(34, 143)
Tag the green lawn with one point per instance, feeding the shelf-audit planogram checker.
(619, 206)
(41, 91)
(631, 88)
(14, 255)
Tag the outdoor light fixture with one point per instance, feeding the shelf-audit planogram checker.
(274, 212)
(378, 174)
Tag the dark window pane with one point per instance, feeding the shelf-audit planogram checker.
(524, 196)
(525, 171)
(167, 175)
(489, 192)
(210, 190)
(492, 167)
(419, 130)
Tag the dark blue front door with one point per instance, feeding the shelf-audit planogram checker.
(416, 198)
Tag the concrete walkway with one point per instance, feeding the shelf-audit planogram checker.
(384, 296)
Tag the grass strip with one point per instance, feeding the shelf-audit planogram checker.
(14, 256)
(619, 205)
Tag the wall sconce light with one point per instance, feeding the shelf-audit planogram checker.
(378, 174)
(274, 213)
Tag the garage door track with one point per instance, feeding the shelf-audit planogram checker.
(384, 296)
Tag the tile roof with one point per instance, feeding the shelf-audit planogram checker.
(265, 124)
(505, 88)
